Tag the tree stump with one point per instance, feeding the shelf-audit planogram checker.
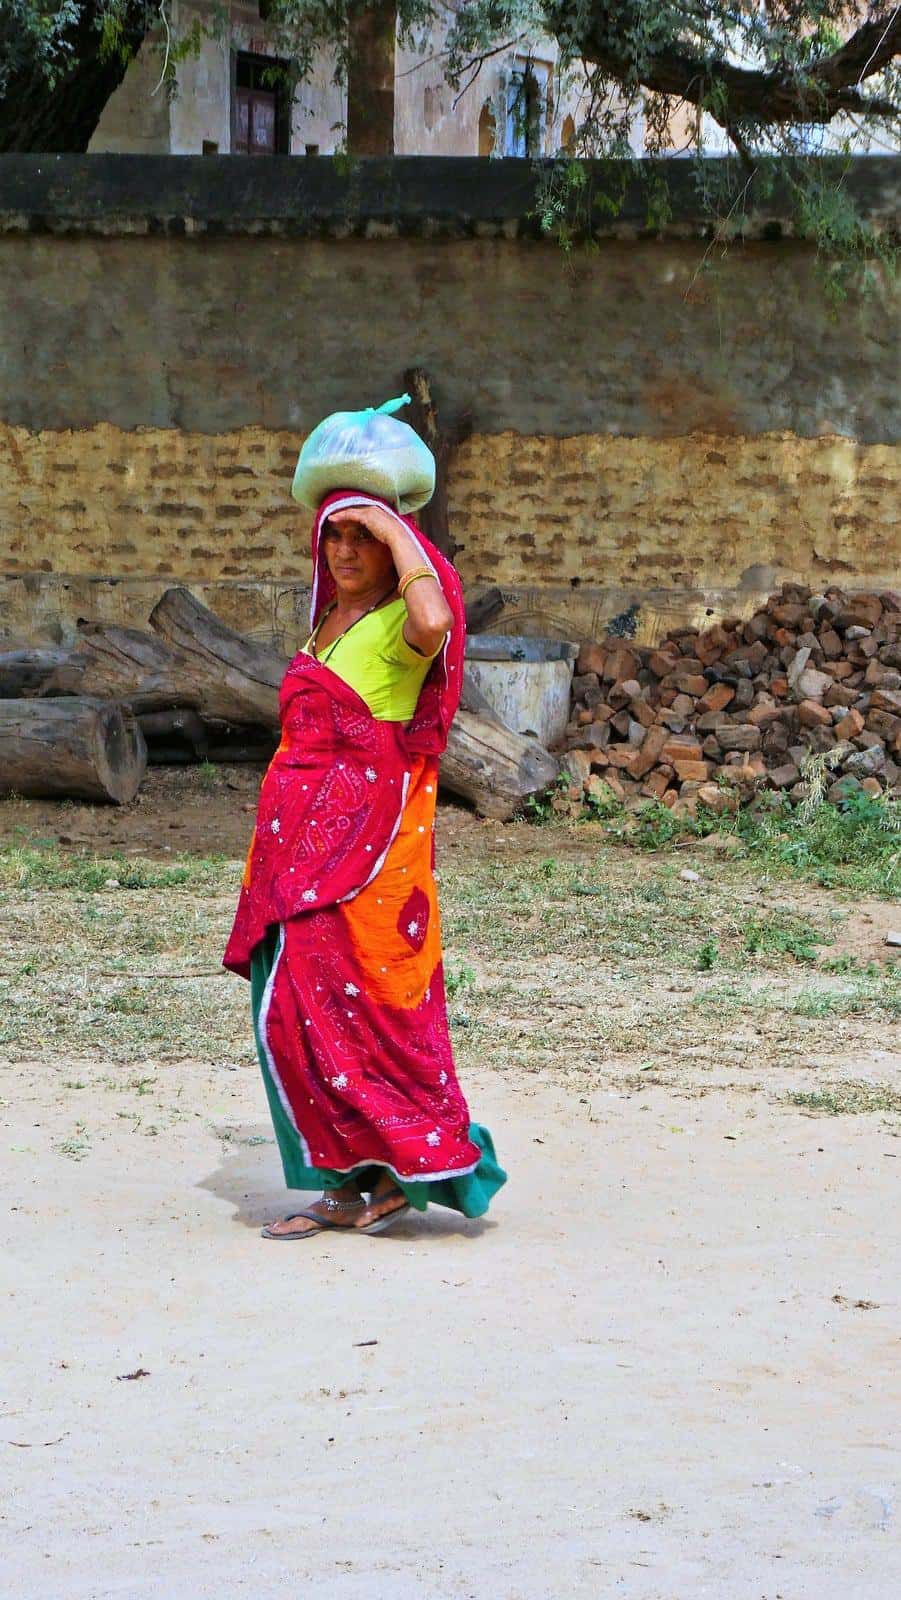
(74, 746)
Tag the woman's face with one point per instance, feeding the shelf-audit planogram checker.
(358, 562)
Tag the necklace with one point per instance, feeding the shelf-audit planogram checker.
(345, 631)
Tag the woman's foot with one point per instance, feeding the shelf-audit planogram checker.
(385, 1198)
(337, 1208)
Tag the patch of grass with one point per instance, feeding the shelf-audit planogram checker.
(708, 955)
(77, 1145)
(208, 776)
(876, 995)
(848, 1099)
(36, 866)
(457, 979)
(780, 934)
(854, 845)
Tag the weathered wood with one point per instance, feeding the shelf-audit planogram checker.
(494, 768)
(130, 665)
(26, 672)
(235, 678)
(483, 610)
(77, 746)
(176, 738)
(442, 441)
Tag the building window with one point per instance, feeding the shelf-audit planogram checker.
(262, 107)
(528, 103)
(487, 130)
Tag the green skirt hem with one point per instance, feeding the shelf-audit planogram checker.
(470, 1193)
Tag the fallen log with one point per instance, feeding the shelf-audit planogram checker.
(235, 678)
(75, 746)
(493, 767)
(130, 665)
(177, 738)
(27, 672)
(174, 737)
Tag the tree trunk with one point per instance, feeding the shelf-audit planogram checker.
(483, 609)
(233, 678)
(126, 664)
(442, 441)
(372, 42)
(74, 746)
(28, 672)
(176, 738)
(494, 768)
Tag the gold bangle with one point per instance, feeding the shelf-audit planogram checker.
(410, 577)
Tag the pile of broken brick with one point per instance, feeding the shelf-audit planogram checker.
(710, 717)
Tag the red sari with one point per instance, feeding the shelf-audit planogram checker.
(352, 1022)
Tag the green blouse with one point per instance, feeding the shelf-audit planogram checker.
(375, 659)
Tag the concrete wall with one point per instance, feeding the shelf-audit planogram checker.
(645, 431)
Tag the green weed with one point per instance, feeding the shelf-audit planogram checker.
(853, 845)
(708, 955)
(455, 981)
(843, 1099)
(782, 935)
(78, 1144)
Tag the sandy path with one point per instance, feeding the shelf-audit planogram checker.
(633, 1380)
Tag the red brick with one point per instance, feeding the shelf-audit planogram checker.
(643, 713)
(692, 771)
(681, 748)
(717, 697)
(624, 756)
(662, 663)
(655, 741)
(812, 714)
(656, 785)
(621, 663)
(591, 658)
(851, 724)
(785, 776)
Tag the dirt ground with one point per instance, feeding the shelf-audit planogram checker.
(665, 1367)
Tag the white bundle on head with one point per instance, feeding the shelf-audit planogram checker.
(371, 451)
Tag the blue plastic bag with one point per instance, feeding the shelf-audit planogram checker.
(371, 451)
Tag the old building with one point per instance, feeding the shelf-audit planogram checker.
(228, 101)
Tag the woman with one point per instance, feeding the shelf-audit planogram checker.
(337, 925)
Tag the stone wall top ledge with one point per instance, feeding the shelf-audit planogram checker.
(403, 197)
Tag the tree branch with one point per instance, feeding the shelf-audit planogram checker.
(817, 94)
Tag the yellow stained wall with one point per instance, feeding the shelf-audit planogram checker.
(100, 520)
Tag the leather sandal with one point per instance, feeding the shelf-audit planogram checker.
(323, 1224)
(383, 1222)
